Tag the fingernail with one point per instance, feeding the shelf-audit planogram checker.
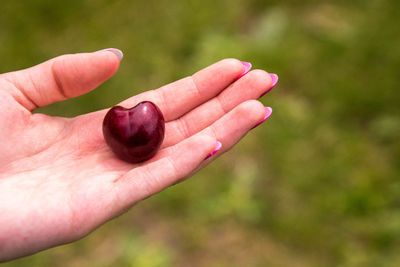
(116, 51)
(217, 148)
(275, 79)
(247, 68)
(268, 112)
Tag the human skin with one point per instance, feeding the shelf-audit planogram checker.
(59, 180)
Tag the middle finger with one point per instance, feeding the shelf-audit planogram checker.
(249, 87)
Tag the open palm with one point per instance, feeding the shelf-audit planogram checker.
(59, 180)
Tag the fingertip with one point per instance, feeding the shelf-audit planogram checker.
(115, 51)
(101, 64)
(247, 67)
(275, 79)
(268, 112)
(204, 145)
(206, 142)
(218, 147)
(252, 109)
(109, 59)
(227, 69)
(235, 67)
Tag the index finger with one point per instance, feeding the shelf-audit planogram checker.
(177, 98)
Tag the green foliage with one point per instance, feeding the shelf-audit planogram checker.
(317, 185)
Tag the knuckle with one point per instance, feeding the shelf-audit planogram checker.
(183, 128)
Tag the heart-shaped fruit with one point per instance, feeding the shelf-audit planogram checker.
(134, 134)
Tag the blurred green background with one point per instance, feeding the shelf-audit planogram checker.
(317, 185)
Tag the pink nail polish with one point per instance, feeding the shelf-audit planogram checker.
(247, 68)
(275, 79)
(217, 148)
(116, 51)
(268, 112)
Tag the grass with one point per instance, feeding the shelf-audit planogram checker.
(317, 185)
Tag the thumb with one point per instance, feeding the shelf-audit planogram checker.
(63, 77)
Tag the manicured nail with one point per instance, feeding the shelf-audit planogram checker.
(217, 148)
(268, 112)
(116, 51)
(247, 68)
(275, 79)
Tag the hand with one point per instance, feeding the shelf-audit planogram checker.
(59, 180)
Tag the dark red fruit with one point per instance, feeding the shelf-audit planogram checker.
(134, 134)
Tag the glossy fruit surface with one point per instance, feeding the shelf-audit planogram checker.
(134, 134)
